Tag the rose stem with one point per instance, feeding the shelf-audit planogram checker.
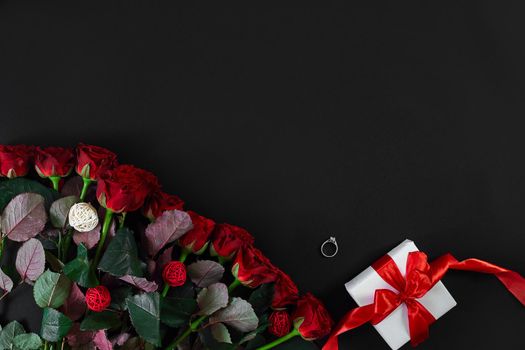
(105, 228)
(87, 181)
(2, 245)
(233, 285)
(67, 244)
(55, 180)
(193, 326)
(183, 255)
(222, 260)
(165, 290)
(278, 341)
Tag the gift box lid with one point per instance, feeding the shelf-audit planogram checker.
(394, 328)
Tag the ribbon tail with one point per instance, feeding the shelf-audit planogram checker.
(353, 319)
(419, 320)
(513, 281)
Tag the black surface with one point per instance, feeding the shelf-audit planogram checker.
(371, 123)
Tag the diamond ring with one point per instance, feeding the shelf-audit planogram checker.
(331, 240)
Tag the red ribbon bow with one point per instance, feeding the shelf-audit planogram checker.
(420, 278)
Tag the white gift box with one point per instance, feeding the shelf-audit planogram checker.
(394, 328)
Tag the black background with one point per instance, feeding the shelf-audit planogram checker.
(372, 123)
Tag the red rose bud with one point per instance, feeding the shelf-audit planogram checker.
(94, 160)
(159, 202)
(252, 268)
(54, 161)
(311, 318)
(285, 292)
(227, 239)
(98, 298)
(174, 274)
(15, 160)
(196, 239)
(124, 188)
(279, 323)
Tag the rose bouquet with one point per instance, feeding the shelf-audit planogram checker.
(116, 263)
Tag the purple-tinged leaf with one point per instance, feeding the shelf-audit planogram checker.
(89, 239)
(205, 272)
(155, 267)
(30, 260)
(75, 305)
(24, 217)
(77, 338)
(73, 186)
(101, 341)
(213, 298)
(6, 284)
(239, 315)
(168, 227)
(140, 283)
(164, 258)
(121, 339)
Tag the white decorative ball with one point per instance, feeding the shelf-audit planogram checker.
(83, 217)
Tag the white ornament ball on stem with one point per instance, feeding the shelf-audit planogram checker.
(83, 217)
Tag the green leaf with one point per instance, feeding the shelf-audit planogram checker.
(176, 312)
(119, 296)
(221, 333)
(121, 256)
(9, 333)
(209, 339)
(79, 269)
(144, 312)
(263, 325)
(256, 343)
(51, 289)
(261, 298)
(59, 210)
(55, 325)
(9, 189)
(53, 261)
(100, 320)
(29, 341)
(239, 315)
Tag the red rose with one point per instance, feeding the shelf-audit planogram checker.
(54, 161)
(285, 291)
(124, 188)
(94, 160)
(98, 298)
(252, 268)
(196, 239)
(159, 202)
(311, 318)
(227, 239)
(279, 323)
(174, 274)
(15, 160)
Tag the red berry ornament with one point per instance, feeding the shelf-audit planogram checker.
(98, 298)
(279, 323)
(174, 274)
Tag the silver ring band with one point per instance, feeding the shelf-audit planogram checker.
(331, 240)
